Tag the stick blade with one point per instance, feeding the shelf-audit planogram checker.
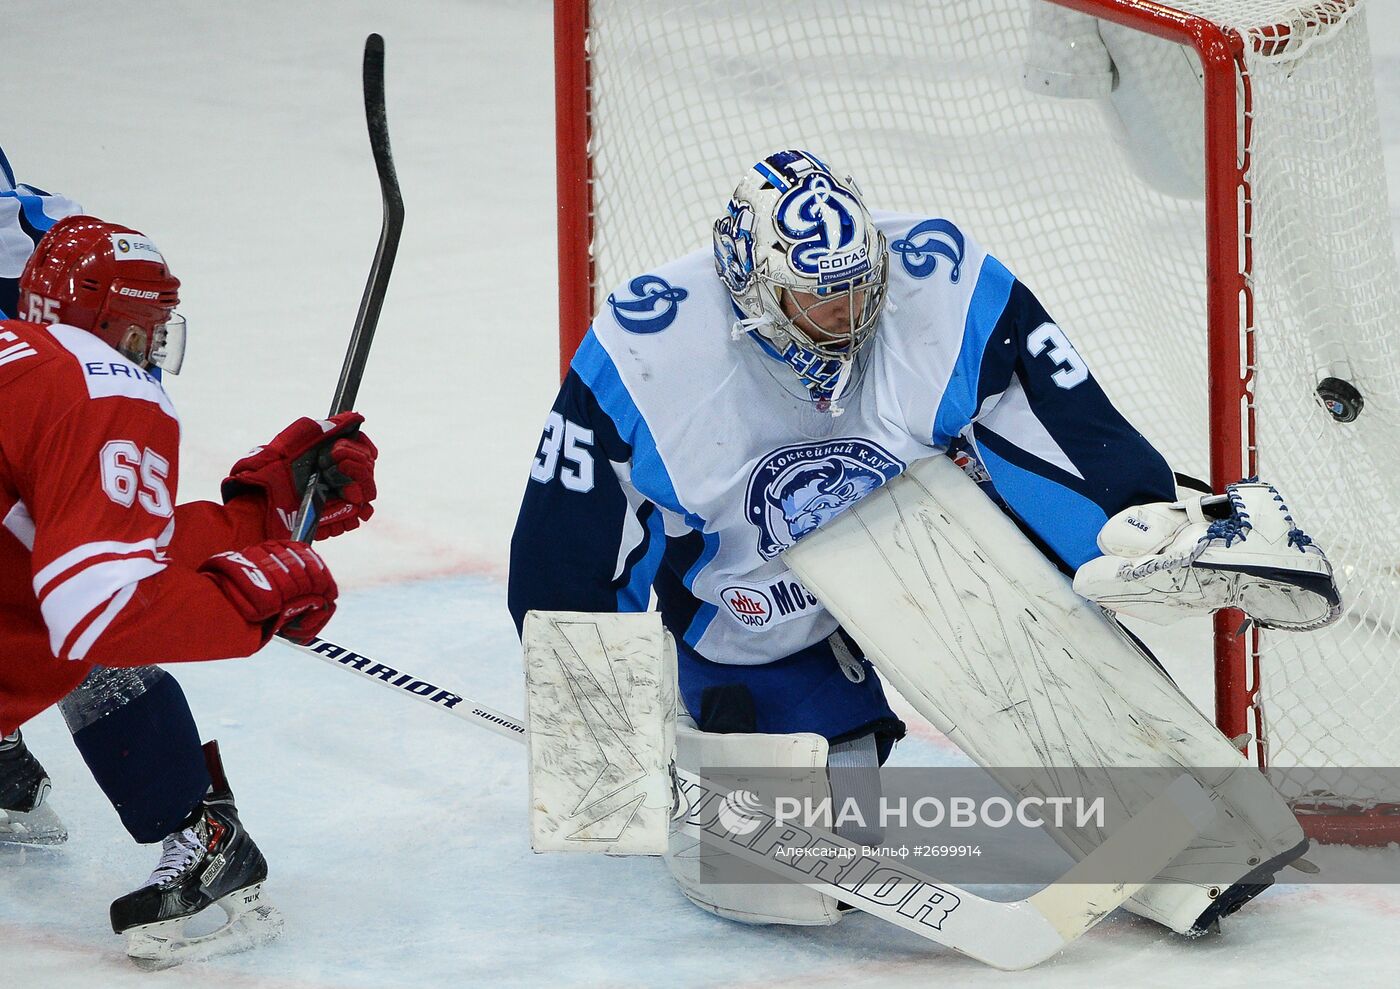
(1143, 846)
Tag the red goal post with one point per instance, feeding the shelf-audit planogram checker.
(1229, 50)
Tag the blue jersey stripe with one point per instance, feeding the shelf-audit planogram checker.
(649, 474)
(706, 555)
(706, 612)
(636, 596)
(33, 207)
(959, 402)
(700, 624)
(1067, 521)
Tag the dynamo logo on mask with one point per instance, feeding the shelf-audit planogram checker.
(826, 224)
(652, 308)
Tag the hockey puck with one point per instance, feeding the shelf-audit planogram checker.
(1340, 398)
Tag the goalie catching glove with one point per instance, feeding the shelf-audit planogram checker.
(335, 450)
(1240, 550)
(283, 586)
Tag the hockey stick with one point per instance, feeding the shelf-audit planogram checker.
(357, 353)
(1008, 935)
(412, 686)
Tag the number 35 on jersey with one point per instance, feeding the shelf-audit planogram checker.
(566, 451)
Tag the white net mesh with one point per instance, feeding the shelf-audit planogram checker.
(924, 102)
(1326, 291)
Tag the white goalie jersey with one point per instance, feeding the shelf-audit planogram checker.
(682, 456)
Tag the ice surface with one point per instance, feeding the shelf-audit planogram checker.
(233, 134)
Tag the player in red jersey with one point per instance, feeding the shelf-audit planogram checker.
(100, 568)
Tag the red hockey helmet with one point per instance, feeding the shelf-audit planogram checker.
(111, 281)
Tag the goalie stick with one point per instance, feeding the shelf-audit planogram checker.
(1009, 935)
(357, 353)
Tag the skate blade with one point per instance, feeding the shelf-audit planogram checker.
(40, 826)
(252, 921)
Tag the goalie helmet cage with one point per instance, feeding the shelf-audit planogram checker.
(1210, 310)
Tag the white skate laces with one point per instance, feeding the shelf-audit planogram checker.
(179, 852)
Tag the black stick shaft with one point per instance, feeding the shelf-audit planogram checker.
(357, 353)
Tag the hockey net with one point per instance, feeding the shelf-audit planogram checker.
(1210, 308)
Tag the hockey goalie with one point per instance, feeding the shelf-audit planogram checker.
(843, 448)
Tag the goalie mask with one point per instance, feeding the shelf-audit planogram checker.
(804, 263)
(111, 281)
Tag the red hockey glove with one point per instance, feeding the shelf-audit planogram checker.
(283, 586)
(342, 458)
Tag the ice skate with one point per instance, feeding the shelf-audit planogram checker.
(213, 862)
(25, 817)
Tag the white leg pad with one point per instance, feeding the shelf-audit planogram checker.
(693, 863)
(988, 641)
(600, 702)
